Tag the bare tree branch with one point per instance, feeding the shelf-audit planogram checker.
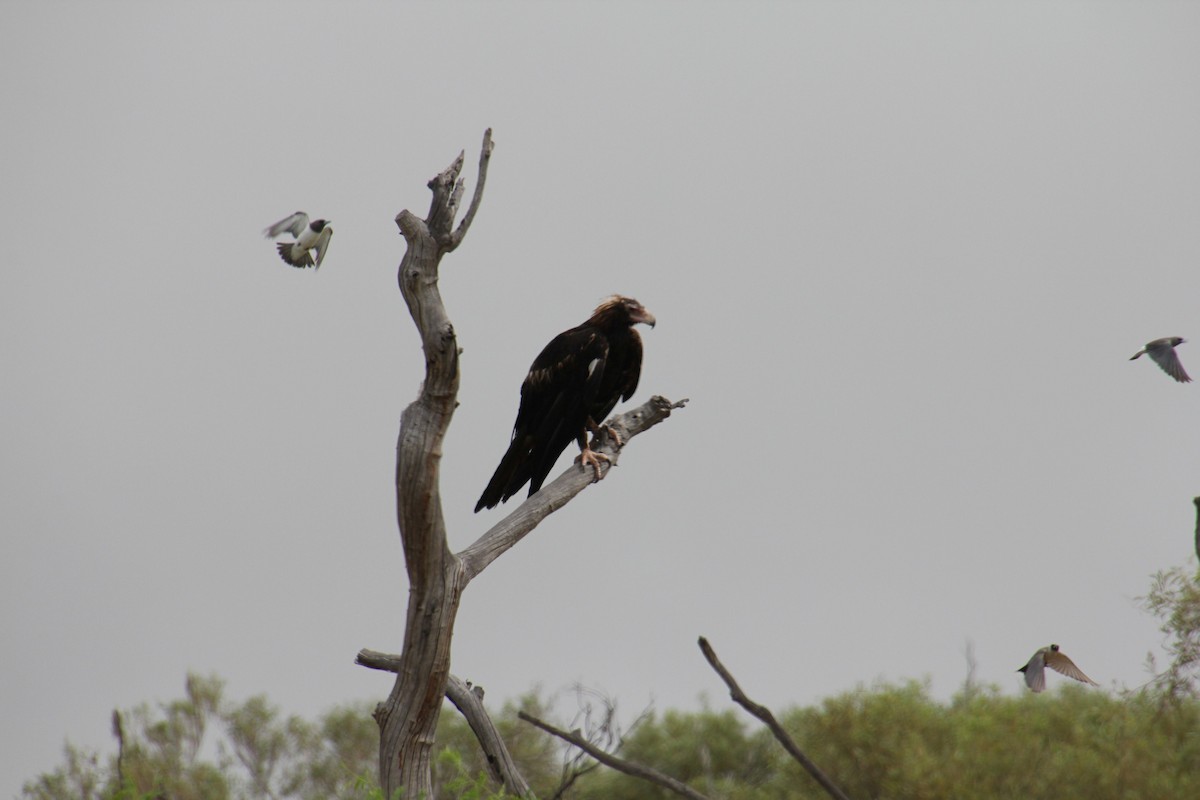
(469, 701)
(764, 714)
(971, 682)
(447, 189)
(408, 717)
(1196, 500)
(619, 764)
(485, 155)
(599, 727)
(510, 530)
(373, 659)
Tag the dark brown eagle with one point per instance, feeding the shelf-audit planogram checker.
(573, 385)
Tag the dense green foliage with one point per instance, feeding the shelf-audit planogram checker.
(888, 741)
(897, 742)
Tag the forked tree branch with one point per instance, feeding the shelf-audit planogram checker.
(619, 764)
(468, 700)
(408, 718)
(764, 714)
(437, 577)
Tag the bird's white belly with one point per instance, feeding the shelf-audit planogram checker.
(307, 240)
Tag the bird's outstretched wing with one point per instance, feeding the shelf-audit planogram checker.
(1059, 662)
(1035, 673)
(1166, 357)
(322, 245)
(295, 225)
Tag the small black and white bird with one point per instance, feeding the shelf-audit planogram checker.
(1055, 659)
(313, 235)
(1163, 353)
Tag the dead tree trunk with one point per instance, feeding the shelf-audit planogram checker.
(408, 719)
(437, 577)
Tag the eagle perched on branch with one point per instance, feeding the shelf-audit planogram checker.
(572, 386)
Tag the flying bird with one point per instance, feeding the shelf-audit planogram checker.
(1163, 353)
(572, 386)
(313, 235)
(1055, 659)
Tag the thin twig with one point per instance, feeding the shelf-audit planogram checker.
(764, 714)
(619, 764)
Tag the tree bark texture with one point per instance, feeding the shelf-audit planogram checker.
(408, 718)
(437, 577)
(468, 700)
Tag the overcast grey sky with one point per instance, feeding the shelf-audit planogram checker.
(899, 255)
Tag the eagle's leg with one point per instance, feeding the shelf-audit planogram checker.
(589, 456)
(597, 430)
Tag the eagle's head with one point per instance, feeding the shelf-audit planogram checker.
(620, 310)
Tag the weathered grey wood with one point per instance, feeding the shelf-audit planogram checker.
(559, 492)
(373, 659)
(619, 764)
(764, 714)
(408, 717)
(469, 701)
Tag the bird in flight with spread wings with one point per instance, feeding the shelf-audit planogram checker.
(313, 235)
(573, 385)
(1163, 353)
(1055, 659)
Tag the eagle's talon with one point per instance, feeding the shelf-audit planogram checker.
(590, 456)
(599, 432)
(616, 437)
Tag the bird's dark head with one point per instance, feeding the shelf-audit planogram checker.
(1054, 648)
(318, 225)
(619, 310)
